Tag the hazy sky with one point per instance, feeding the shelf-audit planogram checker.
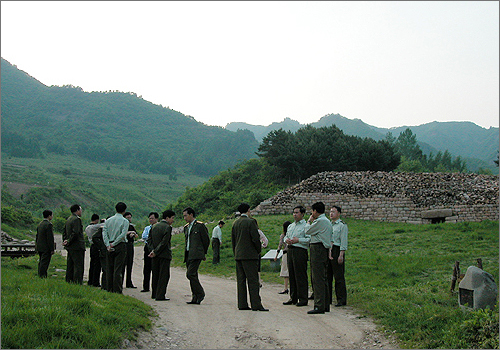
(386, 63)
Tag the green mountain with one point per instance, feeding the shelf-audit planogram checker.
(115, 127)
(475, 144)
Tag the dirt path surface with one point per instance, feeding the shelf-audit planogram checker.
(218, 324)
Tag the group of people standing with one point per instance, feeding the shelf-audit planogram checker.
(326, 241)
(112, 247)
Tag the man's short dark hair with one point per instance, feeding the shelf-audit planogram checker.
(94, 217)
(319, 207)
(155, 214)
(74, 208)
(127, 213)
(243, 208)
(339, 209)
(190, 211)
(221, 223)
(301, 208)
(168, 213)
(120, 207)
(47, 213)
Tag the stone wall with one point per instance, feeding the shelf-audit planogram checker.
(394, 197)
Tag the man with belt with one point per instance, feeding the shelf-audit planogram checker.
(146, 271)
(298, 244)
(320, 229)
(74, 243)
(336, 266)
(114, 234)
(197, 242)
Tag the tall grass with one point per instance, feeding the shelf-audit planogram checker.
(52, 314)
(399, 274)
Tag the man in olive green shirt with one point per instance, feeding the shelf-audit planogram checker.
(74, 243)
(246, 244)
(320, 229)
(44, 243)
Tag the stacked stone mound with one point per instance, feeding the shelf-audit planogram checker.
(423, 189)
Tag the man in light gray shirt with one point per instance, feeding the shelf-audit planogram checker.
(114, 235)
(298, 244)
(320, 229)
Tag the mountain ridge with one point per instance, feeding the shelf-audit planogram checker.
(477, 145)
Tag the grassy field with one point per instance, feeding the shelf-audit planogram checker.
(398, 274)
(47, 183)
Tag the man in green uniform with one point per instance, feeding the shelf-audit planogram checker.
(336, 265)
(197, 242)
(159, 239)
(74, 243)
(320, 229)
(246, 248)
(44, 243)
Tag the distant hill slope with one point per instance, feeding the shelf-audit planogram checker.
(477, 145)
(117, 127)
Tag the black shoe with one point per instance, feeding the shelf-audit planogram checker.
(283, 292)
(200, 299)
(131, 286)
(315, 311)
(261, 309)
(304, 303)
(311, 297)
(340, 304)
(144, 290)
(244, 308)
(290, 302)
(161, 299)
(327, 309)
(193, 302)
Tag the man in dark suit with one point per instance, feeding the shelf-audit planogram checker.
(161, 254)
(246, 248)
(44, 243)
(74, 243)
(197, 242)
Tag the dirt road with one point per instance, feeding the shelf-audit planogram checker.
(218, 324)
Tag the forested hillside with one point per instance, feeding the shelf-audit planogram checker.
(476, 145)
(115, 127)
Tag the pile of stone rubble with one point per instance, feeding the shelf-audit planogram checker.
(424, 189)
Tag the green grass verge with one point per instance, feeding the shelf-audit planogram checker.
(52, 314)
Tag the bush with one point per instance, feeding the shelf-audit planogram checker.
(16, 217)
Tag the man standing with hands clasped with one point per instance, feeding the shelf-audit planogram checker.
(336, 267)
(197, 242)
(159, 239)
(44, 243)
(320, 229)
(74, 243)
(246, 248)
(114, 235)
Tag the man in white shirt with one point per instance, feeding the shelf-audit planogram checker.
(146, 271)
(216, 241)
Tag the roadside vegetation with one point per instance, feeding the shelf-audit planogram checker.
(52, 314)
